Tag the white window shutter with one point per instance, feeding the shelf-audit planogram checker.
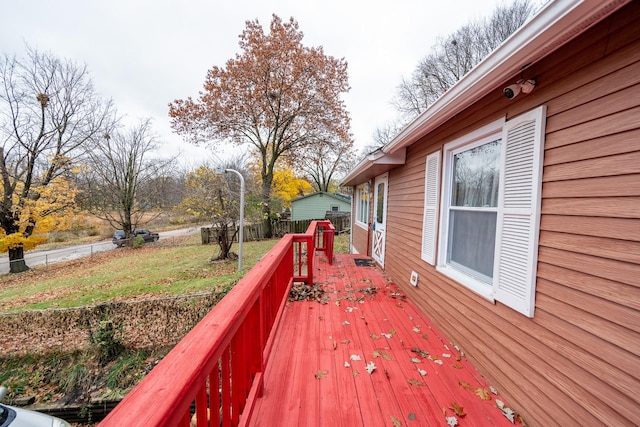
(519, 211)
(430, 219)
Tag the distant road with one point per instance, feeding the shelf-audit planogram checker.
(40, 257)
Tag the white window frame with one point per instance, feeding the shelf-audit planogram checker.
(518, 212)
(362, 188)
(486, 134)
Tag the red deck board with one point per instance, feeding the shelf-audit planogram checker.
(307, 383)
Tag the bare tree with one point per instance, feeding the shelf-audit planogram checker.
(48, 110)
(384, 134)
(324, 161)
(120, 176)
(455, 55)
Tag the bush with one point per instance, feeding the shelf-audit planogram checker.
(137, 242)
(106, 341)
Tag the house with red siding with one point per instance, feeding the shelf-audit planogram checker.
(509, 211)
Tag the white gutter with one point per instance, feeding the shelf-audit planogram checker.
(555, 25)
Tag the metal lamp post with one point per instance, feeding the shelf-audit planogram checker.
(241, 236)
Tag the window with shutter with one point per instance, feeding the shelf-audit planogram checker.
(519, 213)
(490, 210)
(430, 219)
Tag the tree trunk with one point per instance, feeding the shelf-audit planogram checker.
(266, 205)
(17, 263)
(225, 241)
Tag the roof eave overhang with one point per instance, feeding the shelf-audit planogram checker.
(554, 26)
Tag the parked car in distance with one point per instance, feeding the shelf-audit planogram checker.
(19, 417)
(148, 236)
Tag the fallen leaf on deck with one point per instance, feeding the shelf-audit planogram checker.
(493, 390)
(438, 361)
(420, 352)
(345, 341)
(335, 345)
(457, 366)
(422, 372)
(355, 373)
(483, 394)
(374, 336)
(452, 421)
(355, 357)
(370, 367)
(415, 382)
(457, 409)
(411, 416)
(446, 355)
(465, 385)
(387, 336)
(347, 364)
(506, 411)
(321, 374)
(416, 329)
(380, 353)
(346, 322)
(396, 422)
(415, 360)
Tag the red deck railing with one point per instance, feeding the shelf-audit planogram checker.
(217, 368)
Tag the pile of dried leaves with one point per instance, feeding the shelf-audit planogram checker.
(305, 292)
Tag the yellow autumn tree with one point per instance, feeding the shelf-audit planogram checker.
(287, 186)
(51, 210)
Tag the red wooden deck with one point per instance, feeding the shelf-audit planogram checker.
(318, 372)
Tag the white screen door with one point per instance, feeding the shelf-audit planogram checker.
(380, 218)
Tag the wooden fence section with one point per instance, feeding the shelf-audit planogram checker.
(219, 365)
(255, 232)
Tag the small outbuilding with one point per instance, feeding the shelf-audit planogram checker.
(316, 205)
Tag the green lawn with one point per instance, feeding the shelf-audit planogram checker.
(126, 273)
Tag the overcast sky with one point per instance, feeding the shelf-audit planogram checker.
(143, 54)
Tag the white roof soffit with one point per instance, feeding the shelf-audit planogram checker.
(379, 157)
(556, 24)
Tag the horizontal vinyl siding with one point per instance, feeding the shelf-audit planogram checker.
(577, 361)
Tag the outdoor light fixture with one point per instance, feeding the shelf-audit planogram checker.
(524, 86)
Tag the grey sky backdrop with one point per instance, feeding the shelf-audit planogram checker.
(145, 53)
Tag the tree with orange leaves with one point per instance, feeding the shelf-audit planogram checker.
(278, 96)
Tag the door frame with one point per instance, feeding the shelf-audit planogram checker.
(379, 229)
